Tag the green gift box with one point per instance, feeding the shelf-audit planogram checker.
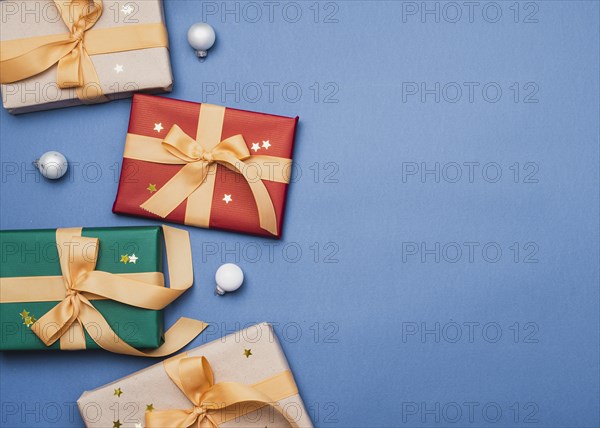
(121, 250)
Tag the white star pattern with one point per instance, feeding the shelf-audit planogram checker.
(118, 68)
(227, 199)
(158, 127)
(127, 9)
(255, 147)
(266, 145)
(133, 259)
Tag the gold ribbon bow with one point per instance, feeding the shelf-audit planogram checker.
(24, 58)
(230, 153)
(216, 403)
(195, 181)
(68, 319)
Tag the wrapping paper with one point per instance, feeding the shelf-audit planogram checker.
(120, 74)
(125, 401)
(33, 253)
(232, 205)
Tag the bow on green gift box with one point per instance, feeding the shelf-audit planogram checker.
(75, 290)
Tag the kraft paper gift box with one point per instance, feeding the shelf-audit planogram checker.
(86, 275)
(206, 166)
(251, 358)
(124, 51)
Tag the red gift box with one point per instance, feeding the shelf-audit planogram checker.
(206, 166)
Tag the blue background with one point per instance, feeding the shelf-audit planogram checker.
(368, 326)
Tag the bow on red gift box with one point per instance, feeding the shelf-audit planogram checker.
(195, 181)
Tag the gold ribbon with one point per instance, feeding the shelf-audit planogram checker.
(222, 401)
(68, 319)
(24, 58)
(196, 180)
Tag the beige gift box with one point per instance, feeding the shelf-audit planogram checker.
(120, 74)
(124, 402)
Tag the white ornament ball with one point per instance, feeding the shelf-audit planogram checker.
(229, 277)
(201, 37)
(52, 165)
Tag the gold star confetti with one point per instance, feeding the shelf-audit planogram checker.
(151, 188)
(125, 258)
(117, 424)
(28, 321)
(247, 353)
(118, 392)
(149, 407)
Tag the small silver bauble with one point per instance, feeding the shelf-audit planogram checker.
(229, 277)
(52, 165)
(201, 37)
